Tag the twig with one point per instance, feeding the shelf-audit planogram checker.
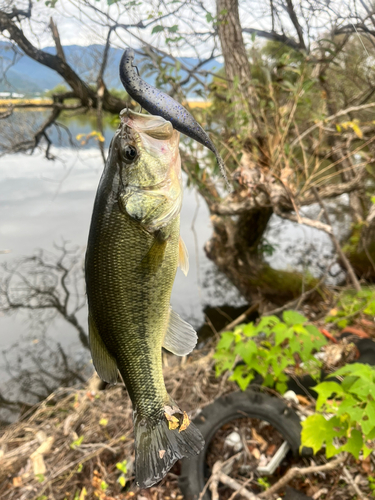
(223, 478)
(299, 299)
(240, 318)
(350, 480)
(215, 480)
(297, 471)
(336, 243)
(329, 118)
(238, 492)
(306, 221)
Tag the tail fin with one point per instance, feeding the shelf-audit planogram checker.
(158, 445)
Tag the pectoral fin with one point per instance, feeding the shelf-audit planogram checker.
(183, 256)
(154, 257)
(104, 363)
(181, 338)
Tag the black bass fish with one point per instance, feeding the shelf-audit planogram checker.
(159, 103)
(133, 251)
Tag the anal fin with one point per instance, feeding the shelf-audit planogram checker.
(183, 256)
(181, 338)
(104, 362)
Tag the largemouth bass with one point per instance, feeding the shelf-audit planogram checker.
(159, 103)
(133, 251)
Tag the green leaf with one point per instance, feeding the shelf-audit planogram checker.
(368, 419)
(122, 466)
(292, 317)
(327, 390)
(354, 443)
(225, 341)
(314, 432)
(250, 330)
(266, 324)
(279, 331)
(301, 330)
(77, 442)
(246, 350)
(173, 29)
(242, 377)
(157, 29)
(316, 336)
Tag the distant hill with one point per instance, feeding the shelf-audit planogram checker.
(31, 78)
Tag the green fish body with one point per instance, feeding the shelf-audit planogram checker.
(133, 252)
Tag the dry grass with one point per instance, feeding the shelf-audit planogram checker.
(5, 103)
(100, 422)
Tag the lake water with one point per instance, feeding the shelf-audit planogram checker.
(44, 202)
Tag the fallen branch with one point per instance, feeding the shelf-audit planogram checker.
(240, 318)
(349, 479)
(223, 478)
(297, 471)
(219, 477)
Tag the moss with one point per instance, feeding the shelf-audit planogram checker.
(285, 285)
(361, 263)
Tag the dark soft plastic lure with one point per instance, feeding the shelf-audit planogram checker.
(158, 103)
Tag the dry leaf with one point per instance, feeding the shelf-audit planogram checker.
(41, 436)
(366, 465)
(185, 422)
(173, 422)
(161, 453)
(83, 494)
(17, 482)
(39, 466)
(256, 453)
(260, 440)
(302, 400)
(44, 448)
(271, 450)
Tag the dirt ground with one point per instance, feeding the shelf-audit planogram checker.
(78, 444)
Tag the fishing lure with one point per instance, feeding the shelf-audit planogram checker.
(159, 103)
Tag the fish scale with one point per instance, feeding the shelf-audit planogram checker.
(131, 260)
(146, 379)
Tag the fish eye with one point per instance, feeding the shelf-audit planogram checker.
(129, 153)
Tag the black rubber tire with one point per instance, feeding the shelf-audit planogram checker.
(236, 405)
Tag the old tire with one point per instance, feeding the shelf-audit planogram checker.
(226, 408)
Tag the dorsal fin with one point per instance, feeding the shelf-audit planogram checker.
(181, 338)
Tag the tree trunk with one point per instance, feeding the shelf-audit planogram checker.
(236, 61)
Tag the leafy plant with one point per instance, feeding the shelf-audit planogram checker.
(351, 304)
(345, 413)
(122, 466)
(269, 348)
(264, 482)
(77, 442)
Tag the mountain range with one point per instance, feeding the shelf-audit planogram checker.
(31, 78)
